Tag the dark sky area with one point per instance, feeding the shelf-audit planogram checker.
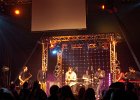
(19, 46)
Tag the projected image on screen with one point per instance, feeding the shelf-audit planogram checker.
(58, 14)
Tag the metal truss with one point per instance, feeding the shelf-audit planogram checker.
(44, 56)
(44, 63)
(113, 59)
(58, 69)
(105, 36)
(110, 38)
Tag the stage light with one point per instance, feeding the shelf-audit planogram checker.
(103, 7)
(54, 52)
(52, 46)
(109, 79)
(17, 12)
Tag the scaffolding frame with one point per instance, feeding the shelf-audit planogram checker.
(111, 38)
(44, 63)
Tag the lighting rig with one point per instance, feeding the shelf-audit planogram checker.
(110, 39)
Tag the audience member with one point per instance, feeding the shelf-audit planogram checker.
(14, 91)
(89, 94)
(81, 93)
(24, 92)
(66, 93)
(54, 90)
(131, 94)
(37, 93)
(5, 94)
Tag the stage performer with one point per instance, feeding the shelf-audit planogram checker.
(87, 79)
(132, 75)
(71, 79)
(24, 75)
(100, 75)
(119, 75)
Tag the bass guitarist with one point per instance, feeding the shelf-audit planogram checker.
(24, 75)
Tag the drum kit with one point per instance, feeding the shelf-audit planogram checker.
(91, 82)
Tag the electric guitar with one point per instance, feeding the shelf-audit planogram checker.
(25, 80)
(71, 80)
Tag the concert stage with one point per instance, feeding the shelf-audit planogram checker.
(82, 52)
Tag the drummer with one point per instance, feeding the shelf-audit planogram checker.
(87, 79)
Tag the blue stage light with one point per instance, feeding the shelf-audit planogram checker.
(54, 52)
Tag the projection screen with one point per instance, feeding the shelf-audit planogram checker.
(58, 14)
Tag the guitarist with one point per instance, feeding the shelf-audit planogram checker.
(24, 75)
(71, 78)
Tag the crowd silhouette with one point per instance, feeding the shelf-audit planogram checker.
(116, 91)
